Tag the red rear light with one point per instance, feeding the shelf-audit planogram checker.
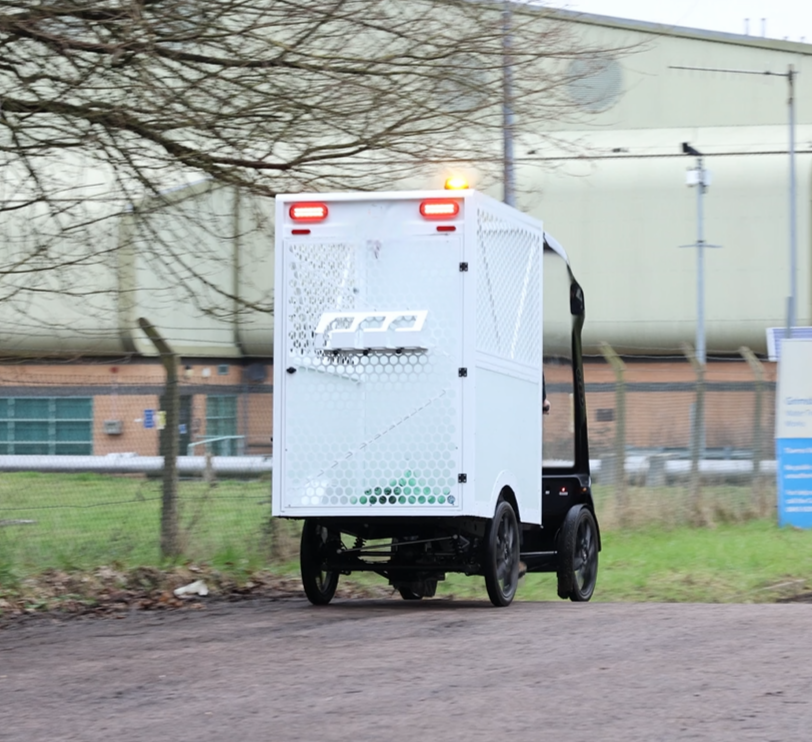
(308, 212)
(439, 208)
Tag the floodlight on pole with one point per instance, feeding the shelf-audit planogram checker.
(700, 178)
(793, 207)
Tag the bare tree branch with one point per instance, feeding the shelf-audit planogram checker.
(106, 104)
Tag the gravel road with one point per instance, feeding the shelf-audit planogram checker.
(396, 671)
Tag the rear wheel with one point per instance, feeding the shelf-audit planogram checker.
(502, 555)
(578, 555)
(318, 542)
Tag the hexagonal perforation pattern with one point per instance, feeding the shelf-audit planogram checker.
(379, 428)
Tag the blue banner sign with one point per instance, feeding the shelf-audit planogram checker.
(793, 433)
(149, 418)
(794, 461)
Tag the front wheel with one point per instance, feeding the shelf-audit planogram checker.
(317, 544)
(578, 555)
(502, 555)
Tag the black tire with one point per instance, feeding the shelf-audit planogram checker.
(317, 543)
(578, 555)
(501, 566)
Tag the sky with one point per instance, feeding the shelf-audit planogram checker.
(790, 19)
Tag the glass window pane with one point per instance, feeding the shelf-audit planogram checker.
(34, 425)
(73, 449)
(73, 431)
(221, 420)
(31, 449)
(32, 409)
(80, 408)
(31, 431)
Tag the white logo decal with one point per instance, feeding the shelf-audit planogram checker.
(371, 330)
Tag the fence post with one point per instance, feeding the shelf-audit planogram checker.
(619, 368)
(170, 536)
(698, 514)
(758, 434)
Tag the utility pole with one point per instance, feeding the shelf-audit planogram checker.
(701, 179)
(793, 219)
(793, 210)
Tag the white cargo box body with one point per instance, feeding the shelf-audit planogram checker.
(408, 356)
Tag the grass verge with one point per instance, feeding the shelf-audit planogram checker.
(85, 540)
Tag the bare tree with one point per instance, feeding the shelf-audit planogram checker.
(106, 104)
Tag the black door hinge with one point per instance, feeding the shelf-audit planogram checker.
(463, 267)
(462, 478)
(462, 372)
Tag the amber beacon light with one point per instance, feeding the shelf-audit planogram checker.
(456, 183)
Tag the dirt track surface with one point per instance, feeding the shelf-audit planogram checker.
(436, 670)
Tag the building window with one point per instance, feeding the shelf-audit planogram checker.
(61, 426)
(221, 421)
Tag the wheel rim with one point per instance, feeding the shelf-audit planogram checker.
(583, 564)
(506, 558)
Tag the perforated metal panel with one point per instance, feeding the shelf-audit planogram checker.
(392, 329)
(318, 278)
(371, 427)
(508, 297)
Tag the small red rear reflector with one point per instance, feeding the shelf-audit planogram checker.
(308, 212)
(439, 208)
(446, 228)
(300, 231)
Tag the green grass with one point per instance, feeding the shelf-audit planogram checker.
(750, 562)
(74, 522)
(81, 522)
(753, 561)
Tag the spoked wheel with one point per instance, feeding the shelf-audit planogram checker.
(502, 555)
(578, 555)
(318, 542)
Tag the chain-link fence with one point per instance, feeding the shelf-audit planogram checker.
(81, 463)
(81, 460)
(669, 448)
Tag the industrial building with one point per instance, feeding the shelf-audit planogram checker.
(610, 185)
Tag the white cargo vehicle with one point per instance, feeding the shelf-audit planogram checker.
(408, 393)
